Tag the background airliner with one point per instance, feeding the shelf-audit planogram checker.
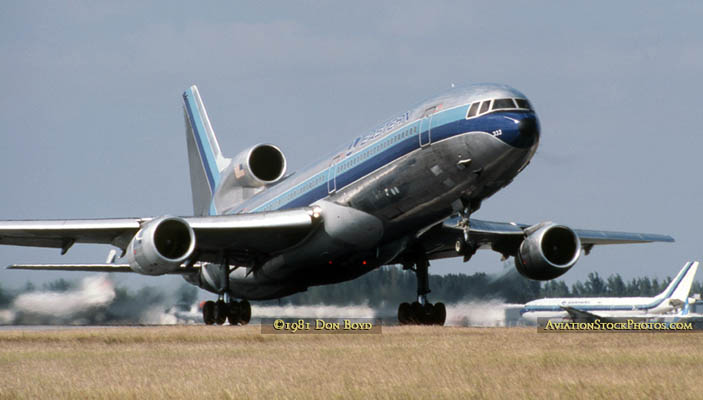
(673, 298)
(402, 193)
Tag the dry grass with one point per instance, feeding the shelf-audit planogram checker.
(403, 362)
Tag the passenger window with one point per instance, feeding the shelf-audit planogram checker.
(484, 106)
(502, 104)
(473, 110)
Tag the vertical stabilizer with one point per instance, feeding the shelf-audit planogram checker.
(680, 287)
(204, 156)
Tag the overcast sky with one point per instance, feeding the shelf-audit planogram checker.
(92, 126)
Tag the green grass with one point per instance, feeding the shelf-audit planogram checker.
(403, 362)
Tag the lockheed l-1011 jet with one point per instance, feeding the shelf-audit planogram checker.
(402, 193)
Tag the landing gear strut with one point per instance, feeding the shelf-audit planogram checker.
(226, 308)
(422, 312)
(463, 245)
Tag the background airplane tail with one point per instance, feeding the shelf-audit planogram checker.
(204, 156)
(680, 287)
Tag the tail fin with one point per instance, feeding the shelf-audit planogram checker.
(204, 155)
(679, 288)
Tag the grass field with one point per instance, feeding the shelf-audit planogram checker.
(403, 362)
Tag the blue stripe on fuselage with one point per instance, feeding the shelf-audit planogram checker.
(384, 150)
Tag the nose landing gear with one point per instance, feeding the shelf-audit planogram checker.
(422, 312)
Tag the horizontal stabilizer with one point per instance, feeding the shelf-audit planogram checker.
(89, 268)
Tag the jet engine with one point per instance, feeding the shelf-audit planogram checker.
(548, 251)
(161, 246)
(258, 166)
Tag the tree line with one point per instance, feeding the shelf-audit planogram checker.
(393, 285)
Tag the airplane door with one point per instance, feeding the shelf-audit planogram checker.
(332, 178)
(425, 131)
(426, 127)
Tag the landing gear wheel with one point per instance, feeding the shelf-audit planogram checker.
(416, 312)
(404, 314)
(220, 312)
(440, 314)
(234, 313)
(244, 312)
(428, 312)
(209, 312)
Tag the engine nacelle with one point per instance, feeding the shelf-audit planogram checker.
(258, 166)
(548, 251)
(161, 246)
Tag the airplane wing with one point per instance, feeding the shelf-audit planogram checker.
(506, 238)
(577, 315)
(241, 236)
(582, 316)
(109, 268)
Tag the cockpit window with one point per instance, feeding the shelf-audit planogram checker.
(522, 103)
(484, 106)
(473, 110)
(500, 104)
(478, 108)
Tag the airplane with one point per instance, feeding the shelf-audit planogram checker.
(589, 309)
(402, 193)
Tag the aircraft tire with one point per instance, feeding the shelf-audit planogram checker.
(404, 314)
(220, 312)
(416, 313)
(244, 312)
(440, 314)
(209, 312)
(234, 313)
(428, 313)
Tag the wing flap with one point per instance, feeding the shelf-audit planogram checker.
(74, 267)
(608, 237)
(62, 233)
(92, 268)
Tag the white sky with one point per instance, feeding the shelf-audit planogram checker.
(91, 122)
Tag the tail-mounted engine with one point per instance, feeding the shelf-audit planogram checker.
(161, 246)
(248, 173)
(548, 251)
(258, 166)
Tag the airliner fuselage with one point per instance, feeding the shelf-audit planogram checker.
(437, 159)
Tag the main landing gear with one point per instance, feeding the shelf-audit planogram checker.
(422, 312)
(236, 312)
(226, 308)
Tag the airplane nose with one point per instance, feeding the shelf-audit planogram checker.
(519, 130)
(529, 131)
